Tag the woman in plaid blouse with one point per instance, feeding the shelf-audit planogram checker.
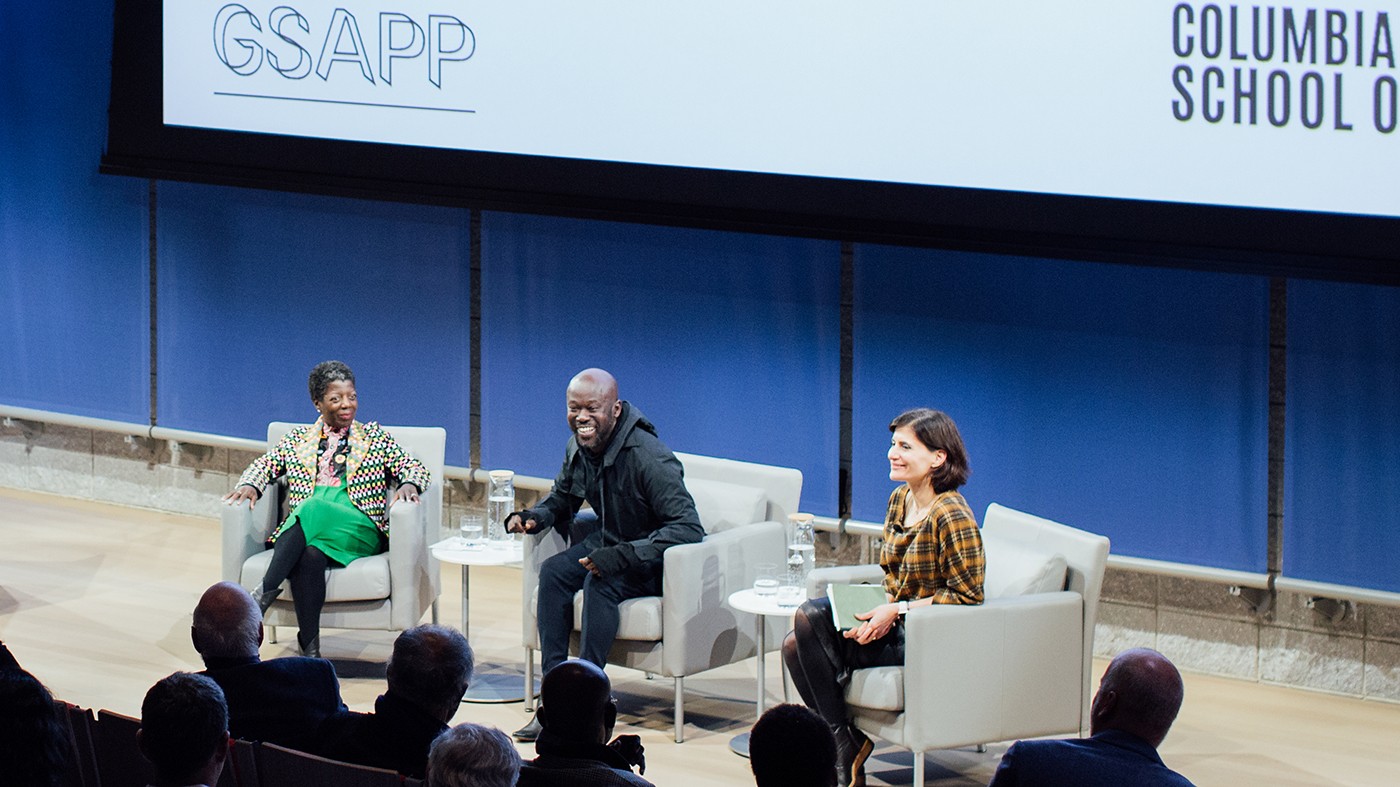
(932, 554)
(338, 472)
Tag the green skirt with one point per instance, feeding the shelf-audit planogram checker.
(335, 526)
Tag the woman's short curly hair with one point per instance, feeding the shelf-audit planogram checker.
(938, 433)
(325, 373)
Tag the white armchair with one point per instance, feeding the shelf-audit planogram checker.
(389, 591)
(690, 628)
(1019, 665)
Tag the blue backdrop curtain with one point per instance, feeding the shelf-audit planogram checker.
(74, 331)
(257, 287)
(1342, 488)
(729, 343)
(1127, 401)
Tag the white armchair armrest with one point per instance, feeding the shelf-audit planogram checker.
(245, 532)
(696, 620)
(842, 575)
(535, 549)
(413, 573)
(1009, 661)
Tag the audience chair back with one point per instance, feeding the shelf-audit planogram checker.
(119, 759)
(241, 767)
(82, 766)
(388, 592)
(283, 767)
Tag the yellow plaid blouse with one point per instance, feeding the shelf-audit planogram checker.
(940, 557)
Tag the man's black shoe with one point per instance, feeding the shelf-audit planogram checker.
(530, 732)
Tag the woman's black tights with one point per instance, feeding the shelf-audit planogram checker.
(820, 659)
(306, 567)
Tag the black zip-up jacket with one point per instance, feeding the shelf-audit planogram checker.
(636, 489)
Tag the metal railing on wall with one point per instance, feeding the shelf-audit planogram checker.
(1325, 595)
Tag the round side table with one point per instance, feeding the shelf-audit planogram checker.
(485, 686)
(762, 607)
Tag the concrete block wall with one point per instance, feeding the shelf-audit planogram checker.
(1202, 628)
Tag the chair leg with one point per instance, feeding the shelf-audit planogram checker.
(435, 612)
(680, 709)
(529, 679)
(272, 634)
(918, 769)
(981, 748)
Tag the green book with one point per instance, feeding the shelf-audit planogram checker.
(849, 600)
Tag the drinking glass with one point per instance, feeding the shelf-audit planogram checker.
(791, 595)
(765, 579)
(472, 528)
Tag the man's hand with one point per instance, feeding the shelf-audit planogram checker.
(630, 748)
(878, 623)
(406, 491)
(588, 564)
(521, 522)
(606, 561)
(241, 493)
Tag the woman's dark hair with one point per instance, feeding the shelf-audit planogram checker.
(325, 373)
(938, 433)
(34, 743)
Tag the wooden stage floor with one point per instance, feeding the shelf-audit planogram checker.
(95, 600)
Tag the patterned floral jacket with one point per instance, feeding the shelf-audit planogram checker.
(374, 456)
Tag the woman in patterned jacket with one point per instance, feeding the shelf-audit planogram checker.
(337, 474)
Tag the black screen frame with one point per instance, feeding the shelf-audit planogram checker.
(1208, 237)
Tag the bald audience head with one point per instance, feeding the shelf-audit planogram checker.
(1140, 693)
(227, 623)
(576, 703)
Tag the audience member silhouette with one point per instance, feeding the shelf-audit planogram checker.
(472, 755)
(577, 715)
(428, 674)
(184, 730)
(35, 749)
(7, 659)
(791, 746)
(1138, 700)
(281, 701)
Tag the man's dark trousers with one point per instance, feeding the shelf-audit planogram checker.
(561, 577)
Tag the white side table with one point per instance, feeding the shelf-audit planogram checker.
(762, 607)
(485, 687)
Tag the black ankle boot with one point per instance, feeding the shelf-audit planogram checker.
(267, 597)
(310, 649)
(853, 748)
